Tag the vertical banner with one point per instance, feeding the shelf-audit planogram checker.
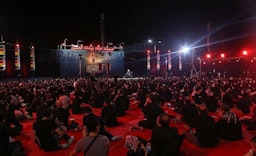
(2, 58)
(32, 58)
(158, 60)
(180, 62)
(17, 57)
(169, 60)
(108, 66)
(100, 66)
(148, 60)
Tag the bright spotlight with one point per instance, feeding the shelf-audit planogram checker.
(185, 49)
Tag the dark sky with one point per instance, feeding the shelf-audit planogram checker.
(173, 21)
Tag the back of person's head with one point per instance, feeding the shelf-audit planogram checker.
(202, 109)
(152, 97)
(47, 112)
(91, 123)
(224, 108)
(164, 120)
(87, 110)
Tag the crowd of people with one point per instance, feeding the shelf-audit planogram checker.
(192, 98)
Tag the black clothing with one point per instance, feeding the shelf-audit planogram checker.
(164, 141)
(62, 115)
(189, 112)
(151, 112)
(211, 103)
(108, 114)
(244, 104)
(103, 130)
(206, 131)
(76, 106)
(45, 132)
(11, 120)
(120, 106)
(229, 127)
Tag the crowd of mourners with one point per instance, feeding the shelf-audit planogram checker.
(192, 98)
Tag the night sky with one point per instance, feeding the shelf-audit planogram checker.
(174, 22)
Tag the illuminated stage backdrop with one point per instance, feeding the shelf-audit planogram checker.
(92, 62)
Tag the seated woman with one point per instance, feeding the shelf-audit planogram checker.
(48, 133)
(108, 114)
(203, 131)
(229, 126)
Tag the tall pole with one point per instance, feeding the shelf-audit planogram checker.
(80, 67)
(102, 29)
(200, 67)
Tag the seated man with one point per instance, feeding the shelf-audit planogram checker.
(229, 126)
(103, 131)
(48, 132)
(164, 139)
(93, 143)
(60, 114)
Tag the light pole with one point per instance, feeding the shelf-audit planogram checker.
(80, 66)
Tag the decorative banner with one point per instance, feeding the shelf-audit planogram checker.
(17, 57)
(32, 58)
(108, 66)
(148, 60)
(2, 58)
(180, 62)
(158, 60)
(169, 60)
(100, 66)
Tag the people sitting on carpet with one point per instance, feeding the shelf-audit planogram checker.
(229, 126)
(250, 122)
(165, 139)
(103, 131)
(108, 113)
(243, 102)
(151, 110)
(252, 151)
(120, 105)
(93, 143)
(188, 110)
(47, 133)
(9, 146)
(78, 104)
(60, 114)
(203, 131)
(15, 127)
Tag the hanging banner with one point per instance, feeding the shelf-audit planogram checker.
(158, 60)
(17, 57)
(180, 62)
(32, 58)
(2, 58)
(148, 60)
(169, 60)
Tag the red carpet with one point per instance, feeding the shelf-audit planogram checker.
(224, 148)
